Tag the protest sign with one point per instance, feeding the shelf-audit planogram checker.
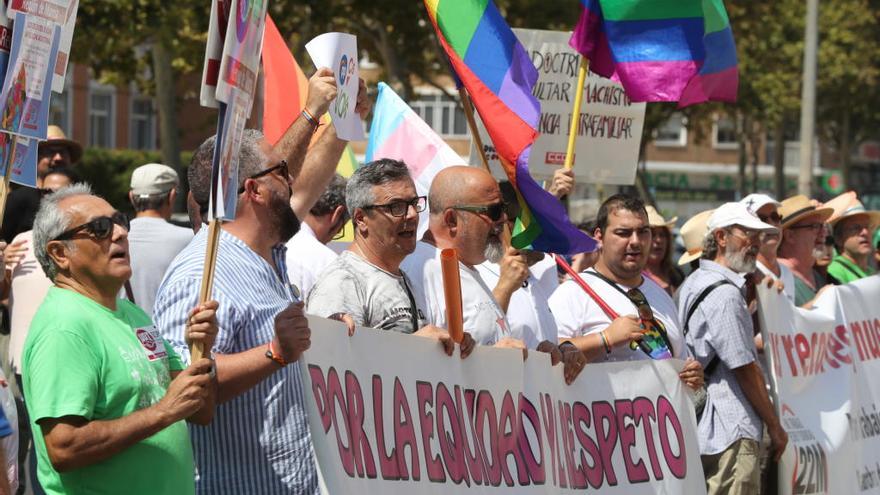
(18, 155)
(242, 45)
(610, 129)
(61, 12)
(338, 51)
(24, 101)
(224, 168)
(392, 414)
(824, 365)
(214, 51)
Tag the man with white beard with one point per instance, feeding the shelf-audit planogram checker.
(718, 330)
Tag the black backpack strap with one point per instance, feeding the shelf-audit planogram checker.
(606, 280)
(714, 362)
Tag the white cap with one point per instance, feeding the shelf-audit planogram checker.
(730, 214)
(153, 178)
(756, 201)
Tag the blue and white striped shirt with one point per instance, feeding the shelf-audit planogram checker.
(258, 442)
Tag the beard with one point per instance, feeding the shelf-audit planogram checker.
(285, 220)
(740, 261)
(494, 250)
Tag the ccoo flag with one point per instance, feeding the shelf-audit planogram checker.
(681, 50)
(499, 75)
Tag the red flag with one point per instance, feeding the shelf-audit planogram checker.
(285, 86)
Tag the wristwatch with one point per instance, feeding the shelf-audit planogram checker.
(274, 356)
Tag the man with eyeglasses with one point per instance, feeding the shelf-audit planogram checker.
(468, 214)
(852, 237)
(307, 252)
(719, 333)
(767, 210)
(106, 394)
(366, 281)
(803, 230)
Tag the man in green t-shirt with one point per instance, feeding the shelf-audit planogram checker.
(852, 237)
(106, 395)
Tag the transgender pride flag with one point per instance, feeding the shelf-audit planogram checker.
(398, 132)
(661, 50)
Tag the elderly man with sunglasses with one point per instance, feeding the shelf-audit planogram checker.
(719, 332)
(106, 395)
(366, 281)
(468, 214)
(643, 321)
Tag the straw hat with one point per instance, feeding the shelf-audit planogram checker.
(856, 208)
(797, 208)
(657, 220)
(692, 234)
(839, 204)
(56, 136)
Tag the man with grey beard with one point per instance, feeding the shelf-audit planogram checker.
(468, 215)
(719, 332)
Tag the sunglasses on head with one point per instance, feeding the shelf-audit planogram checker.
(282, 166)
(99, 228)
(493, 211)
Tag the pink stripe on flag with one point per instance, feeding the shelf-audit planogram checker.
(656, 81)
(718, 86)
(409, 145)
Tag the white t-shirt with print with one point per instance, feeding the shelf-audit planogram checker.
(482, 316)
(577, 314)
(528, 312)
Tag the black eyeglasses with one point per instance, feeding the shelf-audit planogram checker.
(282, 165)
(812, 226)
(400, 207)
(100, 228)
(493, 211)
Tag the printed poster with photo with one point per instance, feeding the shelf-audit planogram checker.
(24, 101)
(61, 12)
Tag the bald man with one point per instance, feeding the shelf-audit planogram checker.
(467, 213)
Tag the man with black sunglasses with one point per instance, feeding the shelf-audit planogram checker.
(767, 210)
(468, 214)
(105, 393)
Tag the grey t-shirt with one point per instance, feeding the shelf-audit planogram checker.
(371, 296)
(152, 244)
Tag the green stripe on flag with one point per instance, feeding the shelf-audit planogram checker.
(458, 19)
(715, 16)
(645, 10)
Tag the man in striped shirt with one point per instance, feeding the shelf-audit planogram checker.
(259, 441)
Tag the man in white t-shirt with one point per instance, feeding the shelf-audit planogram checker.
(468, 215)
(307, 251)
(623, 229)
(366, 282)
(152, 241)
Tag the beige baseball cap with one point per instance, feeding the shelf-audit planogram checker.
(152, 179)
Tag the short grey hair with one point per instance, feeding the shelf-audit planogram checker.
(359, 191)
(149, 202)
(250, 161)
(51, 221)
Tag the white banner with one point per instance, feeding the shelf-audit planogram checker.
(392, 414)
(826, 364)
(338, 51)
(610, 128)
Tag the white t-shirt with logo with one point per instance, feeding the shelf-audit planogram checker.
(528, 312)
(307, 257)
(482, 316)
(577, 314)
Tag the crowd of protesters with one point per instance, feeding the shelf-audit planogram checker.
(104, 310)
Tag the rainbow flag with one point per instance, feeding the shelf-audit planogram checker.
(499, 75)
(660, 50)
(398, 132)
